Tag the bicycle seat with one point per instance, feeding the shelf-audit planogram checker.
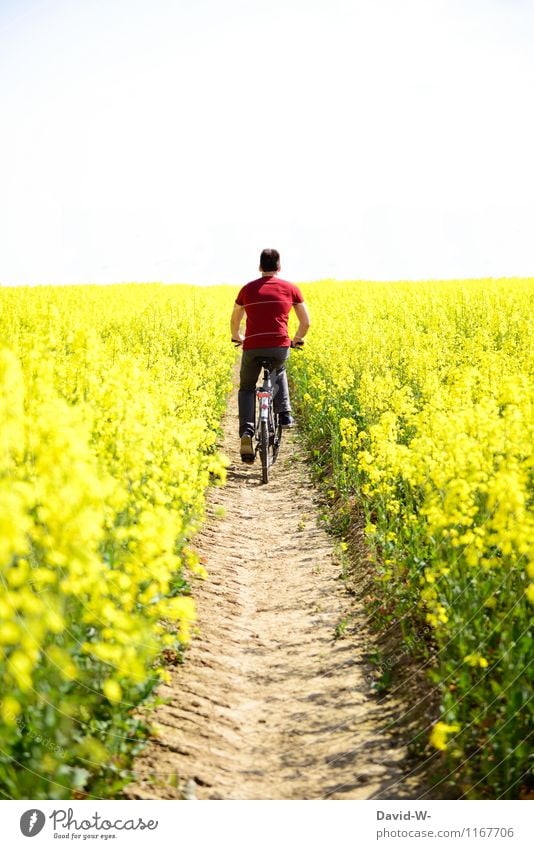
(267, 362)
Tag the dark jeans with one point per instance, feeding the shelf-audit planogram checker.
(250, 369)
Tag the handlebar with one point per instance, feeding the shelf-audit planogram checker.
(298, 347)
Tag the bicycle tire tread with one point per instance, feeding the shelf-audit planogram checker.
(264, 451)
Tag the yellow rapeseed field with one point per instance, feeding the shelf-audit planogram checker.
(418, 404)
(110, 398)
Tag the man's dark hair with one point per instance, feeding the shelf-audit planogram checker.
(269, 259)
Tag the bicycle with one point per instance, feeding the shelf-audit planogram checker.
(268, 431)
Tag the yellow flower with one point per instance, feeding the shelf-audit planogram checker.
(20, 667)
(476, 660)
(9, 633)
(112, 690)
(439, 734)
(10, 709)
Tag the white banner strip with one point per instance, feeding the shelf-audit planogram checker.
(268, 824)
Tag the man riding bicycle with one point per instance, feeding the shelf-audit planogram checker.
(267, 303)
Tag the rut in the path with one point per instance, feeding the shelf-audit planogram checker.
(272, 703)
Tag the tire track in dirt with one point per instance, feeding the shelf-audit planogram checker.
(269, 703)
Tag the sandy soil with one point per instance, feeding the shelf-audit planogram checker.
(274, 700)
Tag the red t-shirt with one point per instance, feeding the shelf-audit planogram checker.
(267, 303)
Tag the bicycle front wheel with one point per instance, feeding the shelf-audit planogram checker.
(264, 450)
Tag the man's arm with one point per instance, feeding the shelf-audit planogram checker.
(235, 322)
(304, 322)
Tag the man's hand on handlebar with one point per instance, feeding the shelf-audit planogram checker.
(295, 343)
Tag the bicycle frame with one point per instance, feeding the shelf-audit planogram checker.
(268, 431)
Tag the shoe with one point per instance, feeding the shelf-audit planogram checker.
(286, 419)
(246, 449)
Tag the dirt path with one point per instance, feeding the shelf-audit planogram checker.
(270, 703)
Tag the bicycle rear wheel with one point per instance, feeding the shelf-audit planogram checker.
(264, 451)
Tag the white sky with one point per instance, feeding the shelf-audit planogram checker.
(172, 140)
